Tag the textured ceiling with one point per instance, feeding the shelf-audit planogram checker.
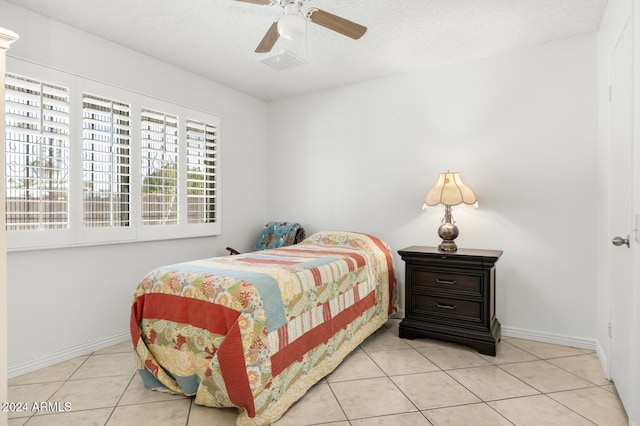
(216, 38)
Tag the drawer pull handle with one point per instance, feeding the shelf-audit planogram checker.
(441, 306)
(439, 281)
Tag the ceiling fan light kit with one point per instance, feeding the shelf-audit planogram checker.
(292, 25)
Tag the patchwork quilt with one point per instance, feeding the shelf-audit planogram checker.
(257, 330)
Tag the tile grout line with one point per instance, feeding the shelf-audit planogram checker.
(541, 393)
(63, 382)
(120, 399)
(394, 383)
(482, 401)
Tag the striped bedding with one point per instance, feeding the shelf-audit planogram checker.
(257, 330)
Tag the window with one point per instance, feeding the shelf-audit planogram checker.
(201, 172)
(106, 159)
(97, 164)
(37, 155)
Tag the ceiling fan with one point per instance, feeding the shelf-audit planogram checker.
(292, 24)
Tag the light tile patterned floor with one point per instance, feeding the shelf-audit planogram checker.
(386, 381)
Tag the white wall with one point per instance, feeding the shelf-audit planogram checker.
(521, 129)
(65, 301)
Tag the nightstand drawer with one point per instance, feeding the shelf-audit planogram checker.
(448, 282)
(467, 310)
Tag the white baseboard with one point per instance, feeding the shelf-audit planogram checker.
(604, 361)
(19, 368)
(558, 339)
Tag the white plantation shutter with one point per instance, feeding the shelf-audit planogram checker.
(159, 149)
(201, 172)
(106, 143)
(37, 155)
(92, 163)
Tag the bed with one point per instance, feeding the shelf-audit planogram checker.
(257, 330)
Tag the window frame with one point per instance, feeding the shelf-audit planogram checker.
(79, 235)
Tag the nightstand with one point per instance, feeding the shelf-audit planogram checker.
(451, 296)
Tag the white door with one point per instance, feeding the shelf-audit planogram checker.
(622, 213)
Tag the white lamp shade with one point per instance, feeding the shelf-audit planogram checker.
(292, 25)
(450, 191)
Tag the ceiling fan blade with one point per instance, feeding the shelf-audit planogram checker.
(264, 2)
(269, 39)
(336, 23)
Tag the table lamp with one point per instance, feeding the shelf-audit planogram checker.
(449, 191)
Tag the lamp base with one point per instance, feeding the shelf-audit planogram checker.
(447, 246)
(448, 232)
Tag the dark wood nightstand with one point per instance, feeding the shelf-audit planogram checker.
(451, 296)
